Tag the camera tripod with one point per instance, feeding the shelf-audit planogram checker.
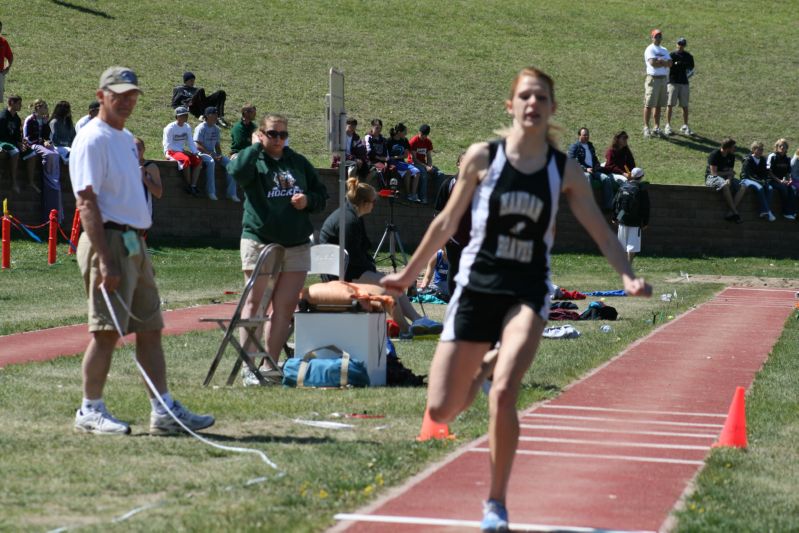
(391, 236)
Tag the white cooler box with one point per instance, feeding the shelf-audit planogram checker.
(362, 335)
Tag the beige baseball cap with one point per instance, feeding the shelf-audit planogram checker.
(119, 80)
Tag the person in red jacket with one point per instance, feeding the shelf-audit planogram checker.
(6, 59)
(619, 158)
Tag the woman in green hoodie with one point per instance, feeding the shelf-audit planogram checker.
(281, 190)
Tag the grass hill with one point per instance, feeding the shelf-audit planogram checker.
(448, 64)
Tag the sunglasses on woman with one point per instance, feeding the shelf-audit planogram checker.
(274, 134)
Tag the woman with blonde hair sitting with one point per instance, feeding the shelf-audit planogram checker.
(361, 268)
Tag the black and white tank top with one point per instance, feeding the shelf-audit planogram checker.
(513, 227)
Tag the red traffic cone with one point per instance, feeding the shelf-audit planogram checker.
(734, 432)
(433, 430)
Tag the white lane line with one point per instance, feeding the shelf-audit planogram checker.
(633, 458)
(616, 443)
(614, 410)
(625, 431)
(451, 522)
(625, 420)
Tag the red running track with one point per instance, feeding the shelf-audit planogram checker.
(46, 344)
(617, 449)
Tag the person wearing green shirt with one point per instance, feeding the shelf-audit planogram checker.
(281, 190)
(241, 133)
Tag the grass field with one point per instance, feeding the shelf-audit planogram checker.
(54, 478)
(448, 64)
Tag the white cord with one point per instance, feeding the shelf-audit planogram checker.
(157, 395)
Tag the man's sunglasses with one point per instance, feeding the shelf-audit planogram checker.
(274, 134)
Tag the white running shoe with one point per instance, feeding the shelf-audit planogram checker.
(771, 217)
(100, 422)
(164, 424)
(657, 132)
(212, 197)
(272, 377)
(790, 217)
(667, 130)
(686, 130)
(647, 133)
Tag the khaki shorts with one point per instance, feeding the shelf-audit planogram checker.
(655, 91)
(136, 287)
(296, 259)
(679, 93)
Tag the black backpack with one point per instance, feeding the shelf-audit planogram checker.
(627, 204)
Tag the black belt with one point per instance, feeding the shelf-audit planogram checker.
(123, 228)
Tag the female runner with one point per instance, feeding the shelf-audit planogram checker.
(503, 284)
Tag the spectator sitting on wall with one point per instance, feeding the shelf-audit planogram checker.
(619, 160)
(398, 149)
(195, 99)
(94, 108)
(6, 59)
(754, 176)
(421, 155)
(720, 175)
(355, 150)
(779, 169)
(584, 153)
(376, 147)
(11, 140)
(206, 137)
(242, 131)
(36, 133)
(179, 146)
(62, 132)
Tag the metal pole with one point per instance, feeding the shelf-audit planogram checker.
(342, 193)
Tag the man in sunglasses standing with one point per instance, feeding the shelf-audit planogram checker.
(281, 190)
(113, 258)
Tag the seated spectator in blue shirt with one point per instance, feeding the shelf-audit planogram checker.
(584, 153)
(434, 281)
(206, 137)
(754, 176)
(398, 149)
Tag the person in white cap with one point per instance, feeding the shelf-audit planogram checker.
(112, 256)
(631, 211)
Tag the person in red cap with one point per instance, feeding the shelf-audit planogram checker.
(658, 62)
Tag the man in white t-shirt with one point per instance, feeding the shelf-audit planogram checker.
(112, 254)
(94, 108)
(658, 62)
(179, 146)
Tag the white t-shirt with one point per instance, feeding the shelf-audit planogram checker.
(82, 122)
(106, 159)
(656, 52)
(176, 137)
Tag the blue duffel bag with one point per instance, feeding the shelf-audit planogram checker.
(312, 371)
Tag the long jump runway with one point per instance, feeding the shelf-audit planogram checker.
(616, 450)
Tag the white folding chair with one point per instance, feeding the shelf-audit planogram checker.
(268, 264)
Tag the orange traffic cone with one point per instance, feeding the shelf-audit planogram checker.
(734, 432)
(433, 430)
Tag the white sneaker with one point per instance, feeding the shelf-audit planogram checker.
(647, 134)
(686, 130)
(213, 197)
(667, 130)
(657, 132)
(164, 424)
(771, 217)
(234, 199)
(100, 423)
(790, 217)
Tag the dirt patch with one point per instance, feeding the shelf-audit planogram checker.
(740, 281)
